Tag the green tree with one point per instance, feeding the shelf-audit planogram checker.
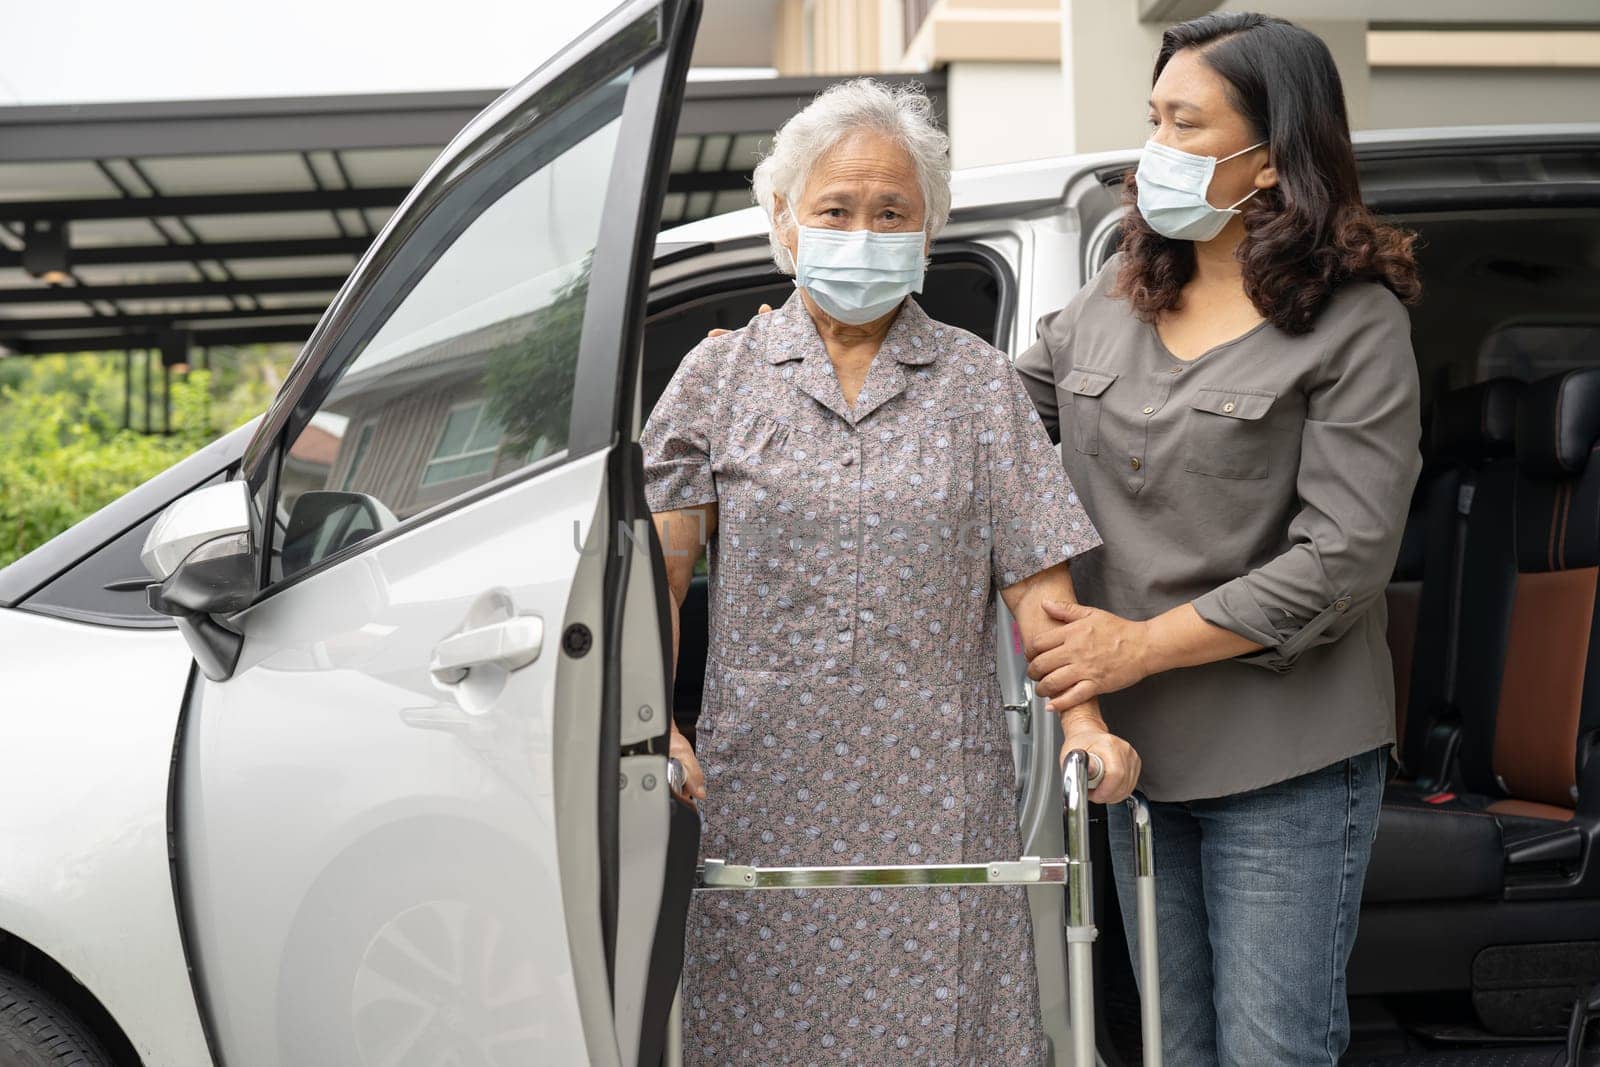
(64, 452)
(529, 380)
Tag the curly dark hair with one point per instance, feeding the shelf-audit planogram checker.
(1311, 232)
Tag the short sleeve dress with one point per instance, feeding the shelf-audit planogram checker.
(851, 713)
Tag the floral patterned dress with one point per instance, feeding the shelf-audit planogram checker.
(851, 713)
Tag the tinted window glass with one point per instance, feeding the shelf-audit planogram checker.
(470, 378)
(106, 586)
(1538, 350)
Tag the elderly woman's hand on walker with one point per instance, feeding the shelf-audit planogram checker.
(693, 787)
(1117, 761)
(1081, 723)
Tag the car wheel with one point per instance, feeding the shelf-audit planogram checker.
(395, 962)
(37, 1031)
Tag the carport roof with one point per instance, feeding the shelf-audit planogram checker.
(235, 221)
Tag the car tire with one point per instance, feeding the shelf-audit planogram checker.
(37, 1031)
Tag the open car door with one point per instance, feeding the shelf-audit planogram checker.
(420, 812)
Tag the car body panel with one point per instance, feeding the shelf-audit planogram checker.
(333, 772)
(89, 719)
(1016, 187)
(389, 854)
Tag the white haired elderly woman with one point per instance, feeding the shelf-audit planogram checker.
(868, 478)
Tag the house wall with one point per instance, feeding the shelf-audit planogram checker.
(1029, 78)
(408, 428)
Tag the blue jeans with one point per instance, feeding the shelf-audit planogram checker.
(1257, 896)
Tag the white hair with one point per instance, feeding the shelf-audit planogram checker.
(903, 113)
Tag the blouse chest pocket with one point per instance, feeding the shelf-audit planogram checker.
(1227, 434)
(1087, 388)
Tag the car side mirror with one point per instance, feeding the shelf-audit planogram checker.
(202, 554)
(325, 521)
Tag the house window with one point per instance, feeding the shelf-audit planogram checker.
(468, 445)
(355, 458)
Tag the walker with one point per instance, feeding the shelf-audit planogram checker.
(1072, 871)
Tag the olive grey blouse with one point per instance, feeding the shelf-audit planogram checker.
(1266, 482)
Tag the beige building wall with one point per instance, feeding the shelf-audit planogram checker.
(1112, 57)
(1003, 62)
(829, 37)
(1473, 76)
(1004, 112)
(1031, 78)
(1407, 97)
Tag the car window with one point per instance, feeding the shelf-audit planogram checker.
(1537, 350)
(108, 585)
(470, 377)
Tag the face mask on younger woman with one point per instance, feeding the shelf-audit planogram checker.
(1172, 192)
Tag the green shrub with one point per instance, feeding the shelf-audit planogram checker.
(64, 452)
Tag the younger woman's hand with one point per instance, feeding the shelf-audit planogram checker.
(1089, 652)
(766, 309)
(694, 780)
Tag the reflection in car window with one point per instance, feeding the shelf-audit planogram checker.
(1537, 350)
(358, 453)
(468, 445)
(470, 378)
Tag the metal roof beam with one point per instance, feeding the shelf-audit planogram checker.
(34, 133)
(204, 204)
(25, 329)
(134, 254)
(761, 105)
(170, 290)
(115, 342)
(708, 181)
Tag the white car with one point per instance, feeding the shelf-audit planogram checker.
(374, 770)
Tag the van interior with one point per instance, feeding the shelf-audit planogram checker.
(1480, 923)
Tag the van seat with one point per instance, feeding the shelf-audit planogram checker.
(1546, 705)
(1457, 547)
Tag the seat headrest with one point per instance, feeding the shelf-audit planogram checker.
(1478, 422)
(1558, 423)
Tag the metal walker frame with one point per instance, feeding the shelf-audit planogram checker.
(1072, 871)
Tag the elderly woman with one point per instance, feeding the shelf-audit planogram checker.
(870, 477)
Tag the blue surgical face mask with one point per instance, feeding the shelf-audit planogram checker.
(857, 276)
(1172, 192)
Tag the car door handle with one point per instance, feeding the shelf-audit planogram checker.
(509, 645)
